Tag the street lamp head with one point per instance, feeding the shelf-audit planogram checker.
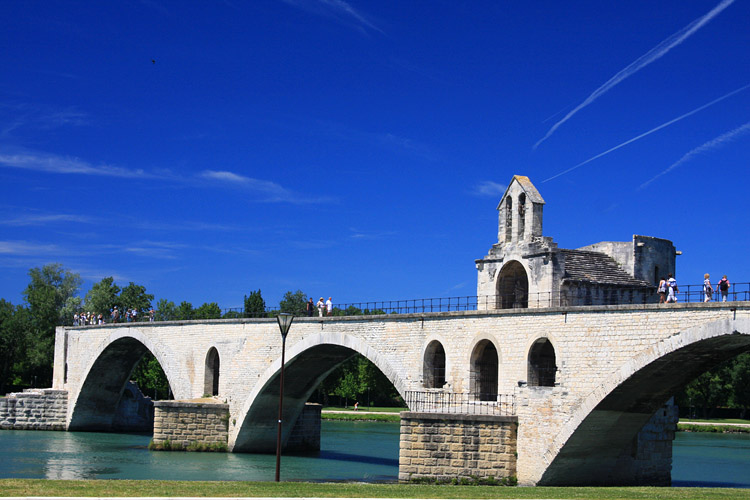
(285, 321)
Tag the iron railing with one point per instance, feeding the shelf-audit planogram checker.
(451, 402)
(583, 296)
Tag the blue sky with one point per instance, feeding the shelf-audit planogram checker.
(359, 149)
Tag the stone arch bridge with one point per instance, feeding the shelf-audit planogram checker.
(584, 388)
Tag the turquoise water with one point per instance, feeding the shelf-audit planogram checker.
(350, 451)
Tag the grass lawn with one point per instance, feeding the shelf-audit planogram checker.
(124, 488)
(717, 420)
(384, 409)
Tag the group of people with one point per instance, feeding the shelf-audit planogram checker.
(324, 308)
(668, 289)
(115, 316)
(87, 318)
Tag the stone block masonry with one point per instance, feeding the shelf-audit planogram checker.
(186, 422)
(446, 446)
(34, 409)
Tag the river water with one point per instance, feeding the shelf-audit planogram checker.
(350, 451)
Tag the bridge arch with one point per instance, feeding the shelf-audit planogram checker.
(484, 369)
(512, 286)
(434, 364)
(541, 363)
(588, 446)
(212, 372)
(309, 361)
(104, 379)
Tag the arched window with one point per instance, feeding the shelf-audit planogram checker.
(211, 380)
(484, 361)
(508, 219)
(521, 215)
(434, 366)
(542, 367)
(512, 287)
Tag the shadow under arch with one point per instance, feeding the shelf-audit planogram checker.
(308, 363)
(96, 403)
(609, 420)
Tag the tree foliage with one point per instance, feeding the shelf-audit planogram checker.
(165, 310)
(102, 297)
(208, 311)
(135, 297)
(293, 303)
(358, 379)
(15, 323)
(255, 306)
(150, 378)
(185, 311)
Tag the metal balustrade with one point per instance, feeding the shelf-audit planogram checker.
(450, 402)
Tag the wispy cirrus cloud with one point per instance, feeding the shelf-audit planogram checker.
(25, 248)
(337, 9)
(489, 188)
(43, 219)
(706, 147)
(655, 129)
(369, 235)
(271, 191)
(268, 191)
(652, 55)
(66, 165)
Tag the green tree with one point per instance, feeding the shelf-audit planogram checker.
(255, 306)
(208, 311)
(102, 297)
(15, 324)
(740, 373)
(150, 378)
(135, 297)
(165, 310)
(185, 311)
(293, 303)
(48, 296)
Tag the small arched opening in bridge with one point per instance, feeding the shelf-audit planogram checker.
(603, 445)
(312, 374)
(433, 375)
(512, 286)
(105, 400)
(211, 373)
(542, 365)
(484, 371)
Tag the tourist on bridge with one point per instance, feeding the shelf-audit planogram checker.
(708, 290)
(329, 306)
(320, 305)
(672, 289)
(723, 286)
(662, 289)
(310, 307)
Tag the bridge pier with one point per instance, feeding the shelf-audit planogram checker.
(448, 446)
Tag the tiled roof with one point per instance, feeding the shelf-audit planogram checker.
(598, 268)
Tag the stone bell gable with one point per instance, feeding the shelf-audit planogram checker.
(526, 269)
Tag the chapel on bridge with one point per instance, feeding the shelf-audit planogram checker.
(526, 269)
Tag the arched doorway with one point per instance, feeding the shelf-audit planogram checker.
(434, 366)
(484, 363)
(542, 364)
(512, 287)
(211, 378)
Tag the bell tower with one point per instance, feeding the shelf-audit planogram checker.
(520, 213)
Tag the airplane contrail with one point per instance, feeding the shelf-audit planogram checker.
(652, 55)
(641, 136)
(707, 146)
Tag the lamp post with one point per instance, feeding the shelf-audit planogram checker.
(285, 321)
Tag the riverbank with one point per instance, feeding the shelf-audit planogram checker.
(713, 426)
(242, 489)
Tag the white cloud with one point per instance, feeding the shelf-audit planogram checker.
(489, 188)
(24, 248)
(337, 9)
(42, 219)
(706, 147)
(652, 55)
(65, 165)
